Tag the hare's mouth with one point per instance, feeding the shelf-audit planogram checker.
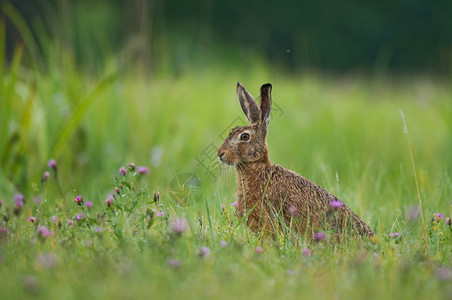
(223, 158)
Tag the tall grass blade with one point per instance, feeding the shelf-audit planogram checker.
(405, 130)
(76, 117)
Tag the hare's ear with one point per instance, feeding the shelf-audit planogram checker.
(265, 98)
(248, 104)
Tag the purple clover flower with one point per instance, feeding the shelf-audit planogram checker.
(45, 177)
(143, 170)
(443, 274)
(223, 243)
(204, 252)
(79, 217)
(109, 201)
(79, 200)
(174, 263)
(293, 211)
(178, 226)
(31, 219)
(44, 232)
(160, 213)
(70, 222)
(306, 252)
(320, 236)
(1, 203)
(47, 260)
(394, 235)
(52, 164)
(448, 221)
(234, 204)
(54, 219)
(439, 215)
(38, 200)
(259, 249)
(19, 199)
(88, 204)
(123, 171)
(336, 203)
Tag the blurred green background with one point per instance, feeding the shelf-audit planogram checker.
(98, 84)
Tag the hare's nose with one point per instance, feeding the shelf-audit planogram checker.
(220, 155)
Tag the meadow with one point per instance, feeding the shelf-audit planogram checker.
(94, 203)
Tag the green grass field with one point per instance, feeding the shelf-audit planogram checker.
(344, 133)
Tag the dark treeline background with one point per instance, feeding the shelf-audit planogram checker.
(330, 35)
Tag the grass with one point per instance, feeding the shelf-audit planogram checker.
(346, 134)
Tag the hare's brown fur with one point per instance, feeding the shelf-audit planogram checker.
(265, 191)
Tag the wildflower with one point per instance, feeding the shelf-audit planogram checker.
(1, 203)
(123, 171)
(52, 164)
(54, 219)
(45, 177)
(259, 249)
(70, 222)
(38, 200)
(109, 201)
(88, 204)
(223, 243)
(44, 232)
(174, 263)
(98, 230)
(160, 213)
(443, 274)
(448, 220)
(19, 199)
(306, 252)
(336, 203)
(31, 283)
(178, 226)
(204, 252)
(394, 235)
(47, 260)
(320, 236)
(143, 170)
(132, 166)
(79, 217)
(440, 216)
(31, 219)
(79, 200)
(412, 212)
(293, 211)
(117, 190)
(234, 204)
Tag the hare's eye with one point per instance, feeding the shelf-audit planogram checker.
(245, 136)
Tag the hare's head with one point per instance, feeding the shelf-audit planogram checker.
(247, 144)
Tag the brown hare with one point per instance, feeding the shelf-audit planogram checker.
(270, 194)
